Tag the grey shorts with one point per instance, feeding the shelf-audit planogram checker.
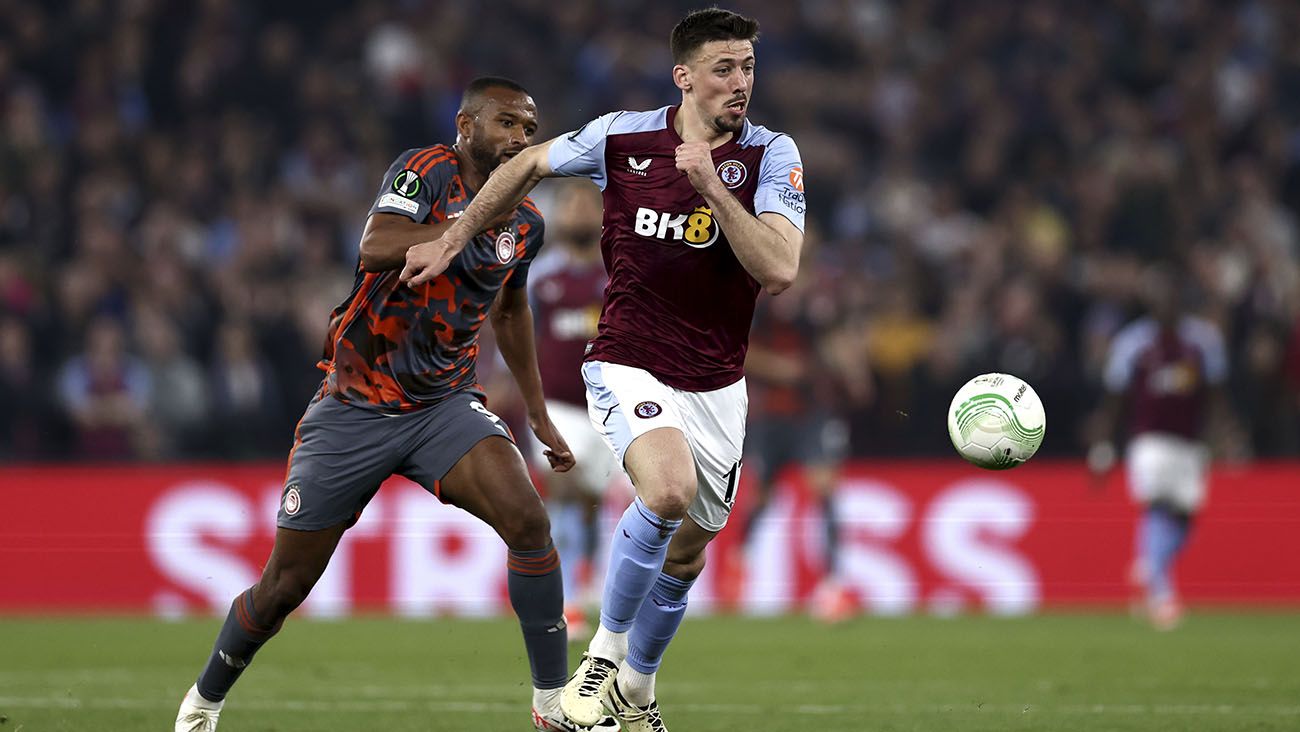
(342, 453)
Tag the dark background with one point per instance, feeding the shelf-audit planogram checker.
(182, 188)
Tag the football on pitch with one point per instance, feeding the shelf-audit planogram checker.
(996, 421)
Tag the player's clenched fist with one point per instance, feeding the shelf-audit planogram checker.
(428, 260)
(695, 159)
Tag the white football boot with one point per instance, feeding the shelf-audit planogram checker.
(197, 714)
(582, 697)
(556, 722)
(633, 717)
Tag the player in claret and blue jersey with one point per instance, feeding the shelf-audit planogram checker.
(1169, 369)
(703, 210)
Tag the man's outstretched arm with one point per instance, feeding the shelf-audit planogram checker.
(502, 192)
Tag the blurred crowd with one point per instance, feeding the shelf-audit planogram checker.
(183, 185)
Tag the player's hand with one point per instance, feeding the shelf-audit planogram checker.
(557, 451)
(428, 260)
(695, 159)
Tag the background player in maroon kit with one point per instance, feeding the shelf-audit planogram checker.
(1168, 370)
(400, 397)
(565, 286)
(703, 210)
(794, 388)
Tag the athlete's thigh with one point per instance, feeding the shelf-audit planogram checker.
(466, 456)
(715, 429)
(660, 458)
(1190, 487)
(637, 416)
(1140, 470)
(1156, 468)
(491, 482)
(340, 456)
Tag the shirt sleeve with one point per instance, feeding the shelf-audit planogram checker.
(582, 152)
(1122, 359)
(780, 182)
(406, 189)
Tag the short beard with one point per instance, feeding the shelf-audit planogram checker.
(721, 124)
(484, 158)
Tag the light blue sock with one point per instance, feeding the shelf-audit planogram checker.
(1163, 536)
(1153, 539)
(1140, 539)
(1175, 537)
(569, 532)
(657, 623)
(635, 557)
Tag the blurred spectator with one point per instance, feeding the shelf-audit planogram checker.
(245, 399)
(1291, 394)
(29, 422)
(1271, 426)
(106, 393)
(178, 410)
(898, 338)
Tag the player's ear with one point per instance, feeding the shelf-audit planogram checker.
(682, 77)
(464, 124)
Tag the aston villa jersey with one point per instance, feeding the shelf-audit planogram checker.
(1166, 374)
(679, 303)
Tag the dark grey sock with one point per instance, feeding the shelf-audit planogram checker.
(240, 637)
(537, 595)
(832, 533)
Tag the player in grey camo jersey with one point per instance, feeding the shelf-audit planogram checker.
(400, 397)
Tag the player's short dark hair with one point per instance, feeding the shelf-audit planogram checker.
(472, 98)
(710, 24)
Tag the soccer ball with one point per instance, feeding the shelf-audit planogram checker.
(996, 421)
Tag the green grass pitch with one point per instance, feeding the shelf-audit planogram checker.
(1058, 672)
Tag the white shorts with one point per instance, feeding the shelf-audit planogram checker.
(624, 403)
(596, 465)
(1168, 468)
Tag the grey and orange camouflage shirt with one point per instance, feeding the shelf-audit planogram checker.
(391, 348)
